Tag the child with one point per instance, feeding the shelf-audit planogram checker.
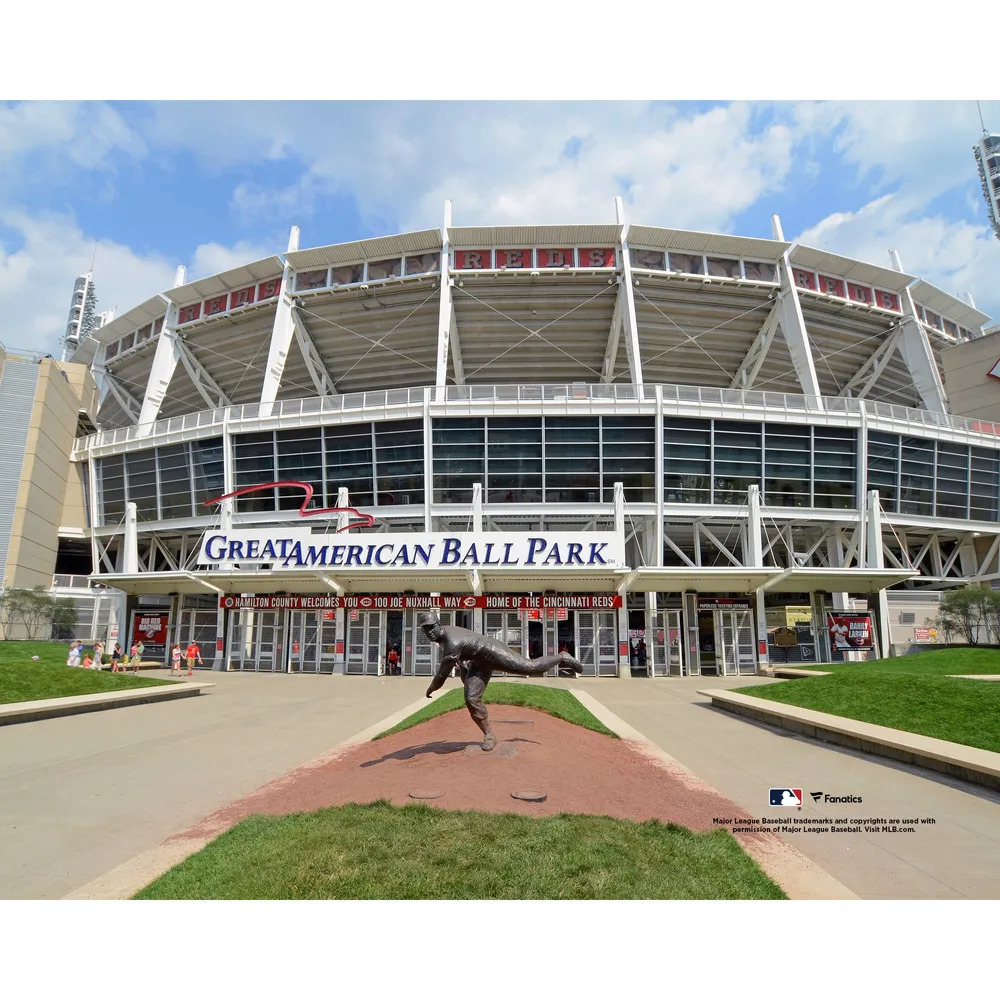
(175, 659)
(88, 663)
(116, 655)
(98, 655)
(134, 657)
(140, 651)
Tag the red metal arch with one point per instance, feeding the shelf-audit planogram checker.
(359, 520)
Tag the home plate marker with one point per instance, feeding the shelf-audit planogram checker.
(529, 795)
(426, 795)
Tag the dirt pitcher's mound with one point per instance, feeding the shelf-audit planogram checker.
(579, 771)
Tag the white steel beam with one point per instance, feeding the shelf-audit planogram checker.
(282, 331)
(628, 318)
(321, 377)
(918, 354)
(203, 382)
(870, 372)
(445, 307)
(755, 356)
(164, 362)
(793, 326)
(106, 382)
(614, 335)
(456, 348)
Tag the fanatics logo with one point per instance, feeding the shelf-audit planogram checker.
(785, 797)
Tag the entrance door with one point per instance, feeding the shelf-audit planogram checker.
(365, 641)
(304, 642)
(735, 643)
(597, 643)
(256, 641)
(708, 642)
(666, 646)
(506, 627)
(421, 656)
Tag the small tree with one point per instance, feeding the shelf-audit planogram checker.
(29, 611)
(966, 610)
(63, 618)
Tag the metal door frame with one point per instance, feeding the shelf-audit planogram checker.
(660, 652)
(246, 628)
(367, 668)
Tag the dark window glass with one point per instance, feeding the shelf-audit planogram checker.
(459, 457)
(572, 459)
(140, 475)
(349, 463)
(628, 456)
(787, 465)
(399, 462)
(175, 481)
(300, 458)
(737, 460)
(883, 468)
(111, 480)
(834, 467)
(983, 485)
(916, 476)
(253, 464)
(952, 480)
(687, 460)
(514, 459)
(208, 473)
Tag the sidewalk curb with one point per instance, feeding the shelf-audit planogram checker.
(799, 877)
(55, 708)
(126, 879)
(979, 767)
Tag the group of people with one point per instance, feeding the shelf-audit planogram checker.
(117, 658)
(120, 662)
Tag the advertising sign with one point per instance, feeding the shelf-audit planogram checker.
(729, 603)
(555, 604)
(300, 548)
(151, 631)
(926, 635)
(849, 632)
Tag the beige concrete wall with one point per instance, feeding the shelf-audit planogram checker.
(971, 391)
(42, 497)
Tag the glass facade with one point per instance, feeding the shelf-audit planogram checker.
(933, 478)
(544, 459)
(168, 482)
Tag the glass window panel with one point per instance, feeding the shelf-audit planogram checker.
(140, 475)
(723, 267)
(399, 462)
(253, 464)
(760, 271)
(687, 263)
(459, 457)
(983, 485)
(175, 481)
(687, 460)
(651, 260)
(378, 269)
(423, 263)
(349, 463)
(305, 280)
(300, 458)
(514, 460)
(207, 470)
(628, 457)
(111, 482)
(348, 274)
(883, 467)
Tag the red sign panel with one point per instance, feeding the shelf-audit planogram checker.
(400, 602)
(243, 297)
(597, 258)
(217, 305)
(189, 313)
(268, 289)
(832, 286)
(474, 260)
(555, 258)
(513, 258)
(150, 629)
(804, 279)
(849, 632)
(886, 300)
(858, 293)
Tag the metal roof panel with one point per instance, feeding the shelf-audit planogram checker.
(532, 236)
(849, 268)
(372, 249)
(707, 243)
(955, 309)
(227, 281)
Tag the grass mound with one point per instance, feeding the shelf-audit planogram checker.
(945, 708)
(25, 679)
(555, 701)
(934, 662)
(381, 851)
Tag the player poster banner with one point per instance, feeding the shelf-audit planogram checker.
(850, 632)
(151, 631)
(404, 602)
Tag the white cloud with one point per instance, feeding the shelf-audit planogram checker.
(212, 258)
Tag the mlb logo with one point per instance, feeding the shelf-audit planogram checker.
(786, 797)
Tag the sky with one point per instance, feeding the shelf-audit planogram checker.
(140, 187)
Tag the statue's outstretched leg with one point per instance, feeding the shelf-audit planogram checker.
(475, 686)
(515, 664)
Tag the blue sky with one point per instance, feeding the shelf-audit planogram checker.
(213, 184)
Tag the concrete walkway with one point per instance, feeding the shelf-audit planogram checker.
(81, 795)
(956, 857)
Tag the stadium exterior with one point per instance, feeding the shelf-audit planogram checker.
(669, 451)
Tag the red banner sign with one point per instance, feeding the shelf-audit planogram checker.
(401, 602)
(150, 629)
(849, 632)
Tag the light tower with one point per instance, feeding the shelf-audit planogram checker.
(987, 153)
(83, 318)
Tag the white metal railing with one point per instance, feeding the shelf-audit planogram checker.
(681, 395)
(70, 582)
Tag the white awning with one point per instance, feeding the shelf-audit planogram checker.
(808, 579)
(704, 579)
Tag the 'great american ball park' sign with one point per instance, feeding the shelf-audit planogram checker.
(300, 548)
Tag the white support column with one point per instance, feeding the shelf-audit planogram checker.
(628, 318)
(876, 560)
(614, 334)
(623, 660)
(477, 507)
(755, 554)
(343, 500)
(164, 361)
(658, 472)
(915, 346)
(793, 326)
(130, 542)
(228, 478)
(776, 230)
(428, 459)
(220, 659)
(446, 310)
(282, 332)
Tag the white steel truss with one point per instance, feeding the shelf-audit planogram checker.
(322, 379)
(108, 383)
(870, 372)
(793, 326)
(756, 355)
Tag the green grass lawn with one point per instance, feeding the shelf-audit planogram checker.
(910, 693)
(24, 679)
(555, 701)
(381, 851)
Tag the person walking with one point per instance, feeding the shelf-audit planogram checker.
(175, 659)
(75, 648)
(98, 655)
(393, 659)
(138, 651)
(193, 653)
(116, 655)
